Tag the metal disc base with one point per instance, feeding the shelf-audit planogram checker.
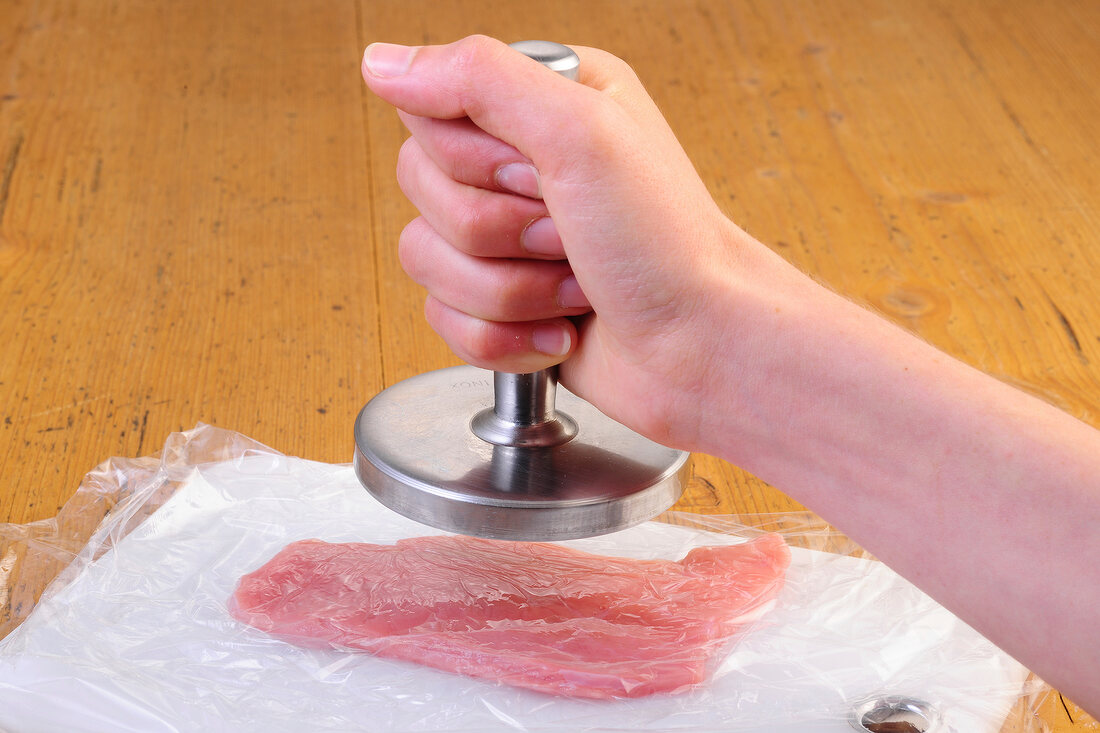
(417, 453)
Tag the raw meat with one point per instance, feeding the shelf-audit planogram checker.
(533, 615)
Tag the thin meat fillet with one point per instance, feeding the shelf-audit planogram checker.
(533, 615)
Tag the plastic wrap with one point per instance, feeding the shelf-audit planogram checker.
(534, 615)
(135, 634)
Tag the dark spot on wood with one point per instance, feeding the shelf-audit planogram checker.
(908, 303)
(1068, 328)
(94, 186)
(8, 171)
(945, 197)
(1066, 708)
(707, 487)
(141, 433)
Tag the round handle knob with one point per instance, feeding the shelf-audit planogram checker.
(554, 56)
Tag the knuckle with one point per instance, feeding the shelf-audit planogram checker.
(621, 68)
(407, 158)
(472, 64)
(613, 69)
(472, 157)
(514, 292)
(481, 341)
(470, 54)
(530, 287)
(409, 244)
(469, 223)
(474, 47)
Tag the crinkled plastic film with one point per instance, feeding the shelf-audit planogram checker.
(135, 634)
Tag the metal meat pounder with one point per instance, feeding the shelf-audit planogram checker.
(440, 450)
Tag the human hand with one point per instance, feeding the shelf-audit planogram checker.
(563, 221)
(684, 328)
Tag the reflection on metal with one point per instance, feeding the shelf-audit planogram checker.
(896, 714)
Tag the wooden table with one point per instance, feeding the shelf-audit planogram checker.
(198, 211)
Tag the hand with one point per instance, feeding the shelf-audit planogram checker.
(563, 221)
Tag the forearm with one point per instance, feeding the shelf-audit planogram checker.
(987, 498)
(697, 336)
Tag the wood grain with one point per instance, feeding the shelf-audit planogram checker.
(198, 212)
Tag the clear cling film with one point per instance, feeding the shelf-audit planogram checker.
(143, 628)
(533, 615)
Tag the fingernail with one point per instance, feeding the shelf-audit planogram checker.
(551, 340)
(521, 178)
(388, 59)
(541, 238)
(570, 294)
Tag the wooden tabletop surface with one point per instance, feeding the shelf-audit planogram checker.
(198, 209)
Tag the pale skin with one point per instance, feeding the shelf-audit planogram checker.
(562, 223)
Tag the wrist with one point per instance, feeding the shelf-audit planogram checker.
(799, 373)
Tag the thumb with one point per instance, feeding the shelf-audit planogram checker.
(505, 93)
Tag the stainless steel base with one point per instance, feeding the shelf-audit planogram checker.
(417, 454)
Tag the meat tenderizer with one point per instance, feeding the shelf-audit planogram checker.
(490, 454)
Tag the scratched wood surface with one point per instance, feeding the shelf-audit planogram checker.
(198, 210)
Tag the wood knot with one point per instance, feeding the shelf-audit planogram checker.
(906, 301)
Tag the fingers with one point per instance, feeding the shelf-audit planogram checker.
(509, 347)
(477, 221)
(469, 155)
(494, 289)
(498, 142)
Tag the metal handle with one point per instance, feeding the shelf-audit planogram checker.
(553, 56)
(523, 412)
